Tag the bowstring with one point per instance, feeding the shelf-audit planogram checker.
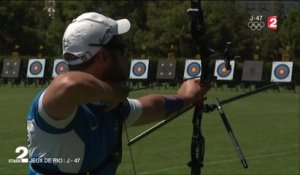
(129, 148)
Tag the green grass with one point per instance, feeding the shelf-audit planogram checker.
(266, 126)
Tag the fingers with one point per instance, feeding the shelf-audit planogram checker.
(205, 86)
(197, 80)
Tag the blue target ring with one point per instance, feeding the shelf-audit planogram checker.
(222, 71)
(193, 69)
(61, 67)
(139, 69)
(282, 71)
(36, 68)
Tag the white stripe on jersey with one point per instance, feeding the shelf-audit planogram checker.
(136, 111)
(65, 146)
(60, 124)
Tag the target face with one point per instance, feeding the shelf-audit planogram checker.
(282, 71)
(221, 72)
(36, 68)
(166, 69)
(192, 68)
(252, 70)
(60, 66)
(139, 69)
(11, 68)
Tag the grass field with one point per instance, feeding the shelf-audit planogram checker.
(266, 126)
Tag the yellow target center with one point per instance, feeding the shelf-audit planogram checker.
(139, 69)
(194, 69)
(281, 71)
(36, 68)
(61, 68)
(223, 70)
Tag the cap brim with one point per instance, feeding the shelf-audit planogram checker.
(123, 26)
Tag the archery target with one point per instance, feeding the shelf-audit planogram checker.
(59, 66)
(252, 70)
(36, 68)
(139, 69)
(166, 69)
(281, 71)
(192, 68)
(221, 72)
(11, 68)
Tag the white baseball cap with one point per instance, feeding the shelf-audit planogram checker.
(86, 35)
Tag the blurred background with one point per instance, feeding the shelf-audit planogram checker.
(267, 125)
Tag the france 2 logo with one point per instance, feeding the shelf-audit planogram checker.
(272, 22)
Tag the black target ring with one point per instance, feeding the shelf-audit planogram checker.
(281, 71)
(36, 68)
(221, 72)
(61, 67)
(193, 69)
(139, 69)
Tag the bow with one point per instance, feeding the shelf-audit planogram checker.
(198, 142)
(198, 33)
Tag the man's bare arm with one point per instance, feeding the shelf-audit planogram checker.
(157, 107)
(70, 89)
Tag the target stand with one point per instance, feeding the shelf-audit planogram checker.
(139, 69)
(35, 72)
(166, 72)
(282, 73)
(252, 74)
(223, 75)
(10, 72)
(193, 68)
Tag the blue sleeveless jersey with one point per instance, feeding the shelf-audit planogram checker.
(80, 144)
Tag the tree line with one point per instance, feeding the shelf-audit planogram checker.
(157, 27)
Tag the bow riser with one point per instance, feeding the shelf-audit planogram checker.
(198, 32)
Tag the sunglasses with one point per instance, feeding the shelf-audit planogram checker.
(122, 47)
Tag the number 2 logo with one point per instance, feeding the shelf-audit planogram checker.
(272, 22)
(23, 151)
